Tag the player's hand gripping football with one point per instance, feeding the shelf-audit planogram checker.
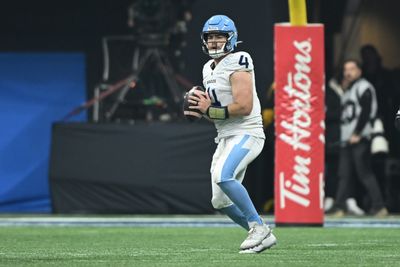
(200, 100)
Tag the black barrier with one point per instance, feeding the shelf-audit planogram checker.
(134, 169)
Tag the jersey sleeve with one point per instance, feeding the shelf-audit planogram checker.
(362, 88)
(240, 61)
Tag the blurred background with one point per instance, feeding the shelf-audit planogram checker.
(133, 152)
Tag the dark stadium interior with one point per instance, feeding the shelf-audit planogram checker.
(79, 26)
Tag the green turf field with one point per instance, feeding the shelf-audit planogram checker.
(124, 246)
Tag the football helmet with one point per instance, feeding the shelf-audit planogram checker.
(223, 25)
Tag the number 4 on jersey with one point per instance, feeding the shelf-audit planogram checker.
(244, 61)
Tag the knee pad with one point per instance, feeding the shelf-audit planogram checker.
(220, 202)
(218, 178)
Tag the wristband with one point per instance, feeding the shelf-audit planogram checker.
(217, 113)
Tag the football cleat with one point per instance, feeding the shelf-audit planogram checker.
(267, 243)
(256, 235)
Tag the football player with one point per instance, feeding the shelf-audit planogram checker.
(231, 102)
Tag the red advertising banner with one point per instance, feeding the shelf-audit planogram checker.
(299, 124)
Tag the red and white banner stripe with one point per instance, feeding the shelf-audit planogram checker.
(299, 124)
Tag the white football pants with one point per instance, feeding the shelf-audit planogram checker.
(230, 161)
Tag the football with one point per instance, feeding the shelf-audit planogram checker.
(191, 114)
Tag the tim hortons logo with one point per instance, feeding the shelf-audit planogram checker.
(297, 128)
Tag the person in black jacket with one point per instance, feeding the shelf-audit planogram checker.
(359, 109)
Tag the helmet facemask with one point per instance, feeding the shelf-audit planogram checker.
(226, 48)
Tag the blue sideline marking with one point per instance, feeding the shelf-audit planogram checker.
(175, 222)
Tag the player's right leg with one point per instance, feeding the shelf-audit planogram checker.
(222, 203)
(219, 200)
(258, 230)
(232, 162)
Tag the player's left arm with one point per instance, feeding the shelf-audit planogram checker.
(242, 92)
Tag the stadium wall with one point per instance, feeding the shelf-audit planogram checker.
(36, 89)
(157, 168)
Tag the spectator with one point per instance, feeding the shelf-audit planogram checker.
(359, 108)
(333, 95)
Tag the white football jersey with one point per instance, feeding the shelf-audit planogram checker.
(217, 84)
